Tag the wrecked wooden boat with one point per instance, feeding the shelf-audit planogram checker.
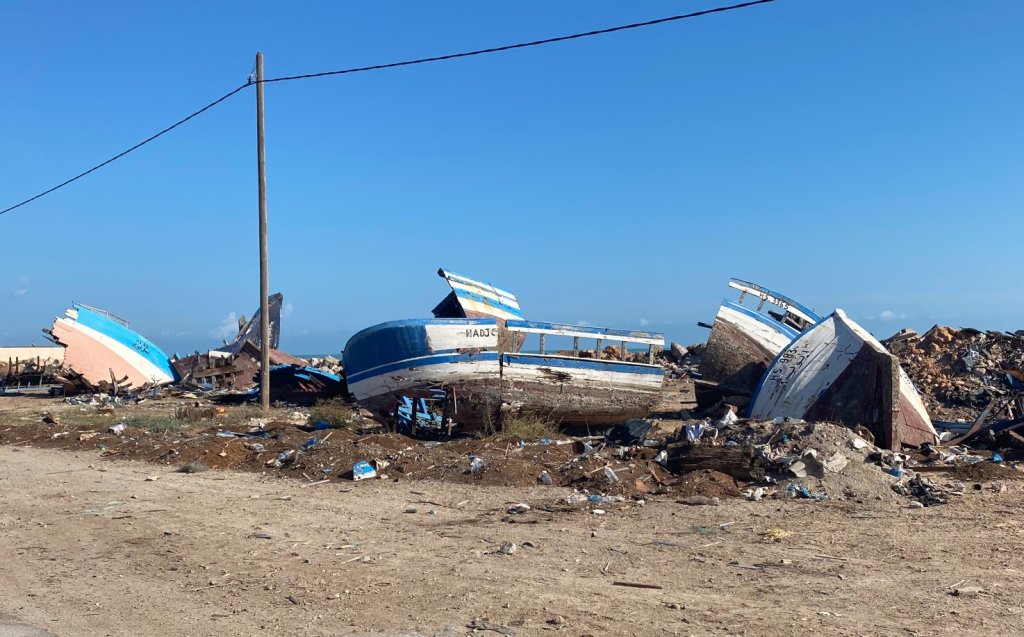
(838, 372)
(744, 340)
(476, 361)
(101, 349)
(250, 331)
(235, 365)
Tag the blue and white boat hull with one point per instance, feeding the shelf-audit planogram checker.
(387, 361)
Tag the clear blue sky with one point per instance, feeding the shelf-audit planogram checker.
(867, 155)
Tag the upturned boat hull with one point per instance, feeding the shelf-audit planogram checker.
(838, 372)
(98, 345)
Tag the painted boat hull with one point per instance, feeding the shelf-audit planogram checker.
(838, 372)
(744, 341)
(389, 360)
(97, 345)
(741, 346)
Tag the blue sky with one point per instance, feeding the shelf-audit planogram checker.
(867, 155)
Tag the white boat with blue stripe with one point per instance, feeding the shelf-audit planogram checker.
(744, 340)
(477, 361)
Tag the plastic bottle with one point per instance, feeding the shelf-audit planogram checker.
(610, 474)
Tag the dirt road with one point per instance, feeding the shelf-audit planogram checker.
(90, 547)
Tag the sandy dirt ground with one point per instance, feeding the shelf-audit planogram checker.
(92, 546)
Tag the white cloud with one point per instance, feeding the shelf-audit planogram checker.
(227, 328)
(584, 323)
(888, 315)
(287, 310)
(22, 289)
(644, 322)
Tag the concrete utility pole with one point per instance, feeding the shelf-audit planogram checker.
(264, 284)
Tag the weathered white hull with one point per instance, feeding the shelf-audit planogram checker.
(839, 372)
(745, 340)
(402, 358)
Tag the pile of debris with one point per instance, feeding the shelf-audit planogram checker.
(17, 372)
(959, 372)
(680, 361)
(818, 461)
(327, 364)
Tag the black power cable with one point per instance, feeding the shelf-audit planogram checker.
(135, 147)
(521, 45)
(377, 67)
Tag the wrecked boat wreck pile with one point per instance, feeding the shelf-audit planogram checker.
(837, 372)
(781, 402)
(27, 366)
(472, 351)
(479, 363)
(744, 340)
(102, 353)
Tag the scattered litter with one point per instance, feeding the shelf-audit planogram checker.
(776, 535)
(363, 471)
(755, 494)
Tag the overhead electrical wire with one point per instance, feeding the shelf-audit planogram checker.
(391, 65)
(521, 45)
(133, 148)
